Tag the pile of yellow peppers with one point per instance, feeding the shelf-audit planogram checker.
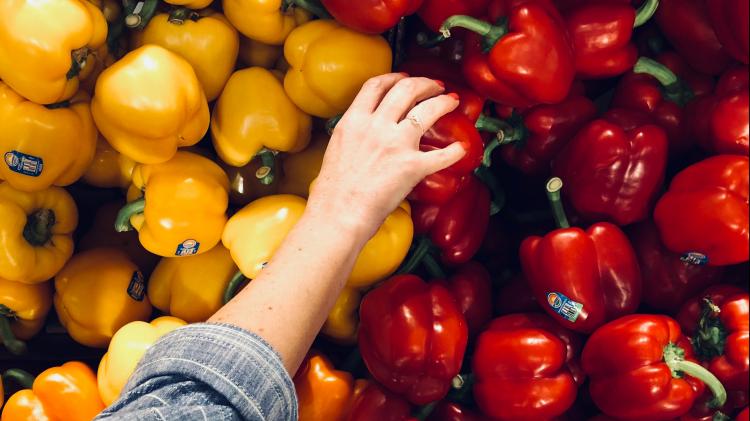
(193, 130)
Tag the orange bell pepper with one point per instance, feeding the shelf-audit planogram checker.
(323, 392)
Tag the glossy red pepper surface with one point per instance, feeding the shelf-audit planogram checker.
(744, 415)
(471, 287)
(731, 21)
(686, 25)
(373, 403)
(448, 411)
(704, 215)
(458, 226)
(371, 16)
(612, 173)
(718, 321)
(530, 63)
(547, 128)
(526, 367)
(435, 12)
(629, 376)
(412, 337)
(668, 281)
(583, 278)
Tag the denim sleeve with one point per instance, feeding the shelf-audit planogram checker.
(207, 372)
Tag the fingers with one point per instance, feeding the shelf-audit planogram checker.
(425, 114)
(373, 91)
(407, 92)
(440, 159)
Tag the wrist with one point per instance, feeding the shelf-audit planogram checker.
(343, 220)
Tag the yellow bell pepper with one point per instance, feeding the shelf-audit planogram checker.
(44, 45)
(96, 62)
(253, 234)
(329, 63)
(149, 103)
(98, 292)
(111, 9)
(182, 210)
(126, 349)
(102, 234)
(36, 233)
(190, 4)
(109, 168)
(192, 288)
(342, 323)
(42, 146)
(244, 185)
(385, 251)
(243, 126)
(205, 39)
(264, 20)
(300, 169)
(23, 309)
(255, 53)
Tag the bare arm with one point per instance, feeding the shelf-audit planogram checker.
(371, 164)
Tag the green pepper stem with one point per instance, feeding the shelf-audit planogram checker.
(266, 173)
(720, 416)
(426, 41)
(12, 344)
(490, 33)
(122, 221)
(420, 251)
(332, 122)
(179, 15)
(231, 290)
(674, 357)
(424, 411)
(554, 185)
(498, 194)
(490, 124)
(433, 267)
(311, 6)
(139, 13)
(505, 133)
(711, 336)
(645, 12)
(38, 228)
(21, 377)
(656, 70)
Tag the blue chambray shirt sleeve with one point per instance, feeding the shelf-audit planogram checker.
(207, 372)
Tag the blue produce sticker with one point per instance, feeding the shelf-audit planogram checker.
(187, 248)
(24, 164)
(694, 258)
(137, 286)
(564, 306)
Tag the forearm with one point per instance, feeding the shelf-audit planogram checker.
(288, 303)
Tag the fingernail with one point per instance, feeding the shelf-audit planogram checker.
(440, 83)
(454, 96)
(404, 74)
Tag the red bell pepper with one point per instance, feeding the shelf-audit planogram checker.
(448, 411)
(529, 60)
(601, 34)
(704, 215)
(516, 296)
(614, 173)
(371, 16)
(586, 278)
(458, 226)
(656, 89)
(731, 21)
(544, 131)
(412, 337)
(744, 415)
(526, 368)
(435, 12)
(668, 281)
(718, 322)
(438, 188)
(373, 403)
(471, 287)
(641, 368)
(686, 25)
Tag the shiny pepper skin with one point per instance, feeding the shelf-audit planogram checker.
(264, 20)
(24, 307)
(205, 39)
(242, 125)
(42, 146)
(67, 392)
(526, 368)
(98, 292)
(371, 402)
(45, 43)
(329, 64)
(412, 337)
(342, 324)
(128, 345)
(36, 233)
(435, 12)
(731, 22)
(371, 16)
(109, 168)
(300, 169)
(704, 214)
(186, 199)
(190, 4)
(149, 103)
(323, 392)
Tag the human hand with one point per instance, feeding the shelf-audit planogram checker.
(373, 159)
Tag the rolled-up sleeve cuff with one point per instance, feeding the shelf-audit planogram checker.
(238, 364)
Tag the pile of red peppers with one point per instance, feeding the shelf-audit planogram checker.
(587, 259)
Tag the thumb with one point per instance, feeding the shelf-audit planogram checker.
(439, 159)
